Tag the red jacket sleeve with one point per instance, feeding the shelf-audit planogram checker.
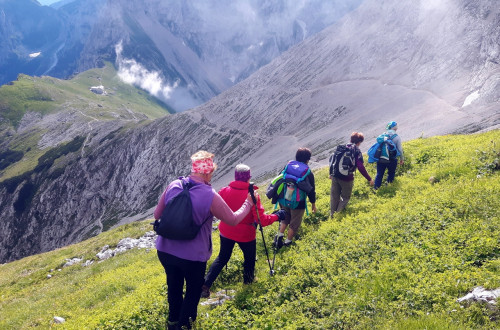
(265, 219)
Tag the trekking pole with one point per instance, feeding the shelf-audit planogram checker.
(250, 189)
(275, 247)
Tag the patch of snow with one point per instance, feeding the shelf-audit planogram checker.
(471, 98)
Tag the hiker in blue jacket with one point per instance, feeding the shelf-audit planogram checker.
(392, 163)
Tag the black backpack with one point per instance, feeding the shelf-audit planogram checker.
(343, 161)
(176, 221)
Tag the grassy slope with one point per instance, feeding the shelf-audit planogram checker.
(49, 95)
(396, 259)
(46, 95)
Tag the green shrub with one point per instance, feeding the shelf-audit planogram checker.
(396, 259)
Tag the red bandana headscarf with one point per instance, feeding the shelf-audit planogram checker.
(202, 166)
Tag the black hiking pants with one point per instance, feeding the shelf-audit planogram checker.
(178, 270)
(226, 250)
(390, 166)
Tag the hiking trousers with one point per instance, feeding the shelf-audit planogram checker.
(391, 172)
(340, 194)
(226, 250)
(178, 270)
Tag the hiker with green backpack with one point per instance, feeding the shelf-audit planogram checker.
(297, 184)
(343, 163)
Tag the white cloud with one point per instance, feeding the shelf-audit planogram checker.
(134, 73)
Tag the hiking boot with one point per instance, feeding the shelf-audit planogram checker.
(278, 242)
(172, 325)
(285, 244)
(205, 291)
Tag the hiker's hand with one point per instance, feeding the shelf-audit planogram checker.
(401, 162)
(372, 182)
(281, 214)
(313, 207)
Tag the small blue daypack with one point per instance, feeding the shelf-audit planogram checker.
(384, 149)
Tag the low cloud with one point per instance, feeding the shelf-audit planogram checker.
(134, 73)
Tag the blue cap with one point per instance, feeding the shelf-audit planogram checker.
(391, 125)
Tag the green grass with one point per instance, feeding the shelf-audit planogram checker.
(47, 95)
(395, 259)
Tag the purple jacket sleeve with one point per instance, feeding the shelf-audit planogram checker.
(362, 169)
(223, 212)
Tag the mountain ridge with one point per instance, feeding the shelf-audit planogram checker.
(196, 49)
(296, 100)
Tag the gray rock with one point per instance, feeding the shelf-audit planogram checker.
(59, 320)
(482, 295)
(71, 262)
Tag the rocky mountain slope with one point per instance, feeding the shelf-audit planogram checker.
(432, 68)
(192, 50)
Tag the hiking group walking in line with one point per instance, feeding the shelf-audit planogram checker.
(186, 209)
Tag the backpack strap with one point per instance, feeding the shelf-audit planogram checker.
(390, 137)
(284, 171)
(302, 178)
(187, 185)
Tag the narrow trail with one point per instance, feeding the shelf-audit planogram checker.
(90, 130)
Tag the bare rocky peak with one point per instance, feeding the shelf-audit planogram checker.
(413, 62)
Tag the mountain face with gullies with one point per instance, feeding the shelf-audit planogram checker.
(193, 49)
(433, 68)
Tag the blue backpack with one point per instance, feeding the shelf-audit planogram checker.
(384, 149)
(291, 188)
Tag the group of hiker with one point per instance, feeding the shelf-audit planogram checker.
(238, 206)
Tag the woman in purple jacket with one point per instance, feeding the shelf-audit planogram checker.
(186, 260)
(341, 189)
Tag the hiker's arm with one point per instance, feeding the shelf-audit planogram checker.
(399, 145)
(161, 204)
(362, 169)
(221, 211)
(265, 219)
(312, 193)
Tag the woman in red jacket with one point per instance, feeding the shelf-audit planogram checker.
(244, 233)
